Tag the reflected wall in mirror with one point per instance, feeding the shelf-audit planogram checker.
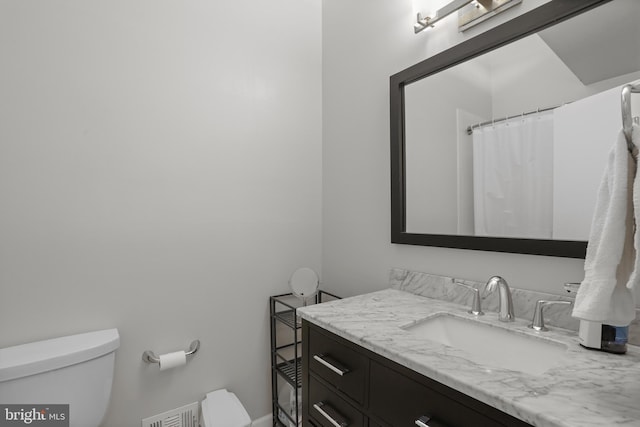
(463, 177)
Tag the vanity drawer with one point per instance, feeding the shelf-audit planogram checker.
(417, 400)
(325, 406)
(338, 365)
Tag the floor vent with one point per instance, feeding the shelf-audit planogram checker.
(185, 416)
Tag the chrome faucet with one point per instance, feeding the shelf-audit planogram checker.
(505, 307)
(476, 308)
(537, 322)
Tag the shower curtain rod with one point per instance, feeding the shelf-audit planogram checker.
(502, 119)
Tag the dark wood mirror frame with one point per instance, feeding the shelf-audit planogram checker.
(531, 22)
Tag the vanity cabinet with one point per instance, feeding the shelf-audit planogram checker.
(345, 385)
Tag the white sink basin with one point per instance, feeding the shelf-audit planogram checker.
(491, 346)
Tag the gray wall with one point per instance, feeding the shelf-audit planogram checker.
(430, 128)
(364, 42)
(165, 166)
(160, 172)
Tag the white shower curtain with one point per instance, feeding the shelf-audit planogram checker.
(513, 177)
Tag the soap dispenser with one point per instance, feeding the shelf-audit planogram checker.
(599, 336)
(603, 337)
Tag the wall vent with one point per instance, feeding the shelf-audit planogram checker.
(185, 416)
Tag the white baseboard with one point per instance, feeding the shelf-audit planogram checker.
(266, 421)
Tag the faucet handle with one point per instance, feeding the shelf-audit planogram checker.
(476, 308)
(537, 323)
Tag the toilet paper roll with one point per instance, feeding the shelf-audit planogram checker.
(171, 360)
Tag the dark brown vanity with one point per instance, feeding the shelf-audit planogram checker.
(347, 385)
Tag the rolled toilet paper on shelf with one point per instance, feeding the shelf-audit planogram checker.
(171, 360)
(292, 406)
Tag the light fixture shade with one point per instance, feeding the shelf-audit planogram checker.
(477, 11)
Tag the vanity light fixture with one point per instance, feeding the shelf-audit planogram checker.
(471, 13)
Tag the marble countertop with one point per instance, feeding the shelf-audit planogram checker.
(591, 388)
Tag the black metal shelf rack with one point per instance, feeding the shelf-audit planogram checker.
(286, 354)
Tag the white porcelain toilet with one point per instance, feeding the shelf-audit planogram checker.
(75, 370)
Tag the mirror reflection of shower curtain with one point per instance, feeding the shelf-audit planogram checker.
(513, 177)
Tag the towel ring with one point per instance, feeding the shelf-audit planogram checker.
(627, 117)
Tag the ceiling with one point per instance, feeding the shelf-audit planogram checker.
(599, 44)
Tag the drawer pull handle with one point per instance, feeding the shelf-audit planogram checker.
(334, 418)
(340, 370)
(422, 421)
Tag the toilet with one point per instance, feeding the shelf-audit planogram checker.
(76, 370)
(222, 408)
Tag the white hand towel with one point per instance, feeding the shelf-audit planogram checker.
(635, 275)
(606, 293)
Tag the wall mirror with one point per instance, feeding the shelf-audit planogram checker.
(500, 142)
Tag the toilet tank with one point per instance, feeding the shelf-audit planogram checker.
(76, 370)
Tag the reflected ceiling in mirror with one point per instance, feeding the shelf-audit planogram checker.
(515, 185)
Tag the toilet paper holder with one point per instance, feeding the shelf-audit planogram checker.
(150, 357)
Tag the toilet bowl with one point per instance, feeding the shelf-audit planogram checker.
(75, 370)
(222, 408)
